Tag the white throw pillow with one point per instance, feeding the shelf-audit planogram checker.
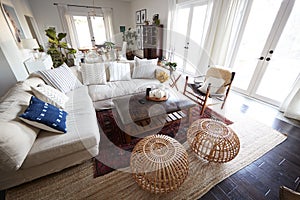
(216, 83)
(50, 95)
(61, 78)
(144, 68)
(119, 71)
(93, 74)
(16, 140)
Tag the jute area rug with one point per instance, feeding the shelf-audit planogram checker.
(78, 182)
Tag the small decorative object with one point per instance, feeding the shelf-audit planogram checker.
(157, 93)
(143, 16)
(162, 76)
(213, 140)
(155, 19)
(148, 91)
(122, 29)
(138, 17)
(59, 51)
(147, 22)
(159, 164)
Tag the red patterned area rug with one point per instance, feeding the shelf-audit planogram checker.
(114, 152)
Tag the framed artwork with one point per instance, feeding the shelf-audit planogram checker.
(138, 17)
(13, 22)
(143, 16)
(122, 29)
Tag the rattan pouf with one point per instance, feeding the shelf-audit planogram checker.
(213, 140)
(159, 164)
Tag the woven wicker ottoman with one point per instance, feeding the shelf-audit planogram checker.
(213, 140)
(159, 164)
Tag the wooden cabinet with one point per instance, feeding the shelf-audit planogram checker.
(152, 39)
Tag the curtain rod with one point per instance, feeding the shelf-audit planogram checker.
(81, 6)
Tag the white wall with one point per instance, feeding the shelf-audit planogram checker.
(7, 78)
(46, 14)
(12, 67)
(153, 7)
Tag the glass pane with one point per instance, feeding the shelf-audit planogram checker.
(198, 23)
(196, 34)
(179, 35)
(98, 29)
(284, 68)
(82, 30)
(259, 24)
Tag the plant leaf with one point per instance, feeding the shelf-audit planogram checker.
(61, 36)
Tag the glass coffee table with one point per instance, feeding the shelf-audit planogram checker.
(136, 115)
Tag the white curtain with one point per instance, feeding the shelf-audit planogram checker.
(170, 28)
(107, 15)
(291, 105)
(67, 27)
(224, 28)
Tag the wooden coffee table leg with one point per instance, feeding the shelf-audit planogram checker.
(127, 136)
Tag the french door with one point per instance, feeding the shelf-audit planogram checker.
(189, 29)
(267, 62)
(89, 30)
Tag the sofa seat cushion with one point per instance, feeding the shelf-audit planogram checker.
(120, 88)
(83, 132)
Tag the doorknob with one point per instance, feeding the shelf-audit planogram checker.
(268, 59)
(261, 58)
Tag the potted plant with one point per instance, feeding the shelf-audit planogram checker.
(59, 51)
(130, 36)
(172, 65)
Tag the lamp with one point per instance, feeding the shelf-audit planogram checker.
(31, 44)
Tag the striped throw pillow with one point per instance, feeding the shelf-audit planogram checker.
(119, 71)
(61, 78)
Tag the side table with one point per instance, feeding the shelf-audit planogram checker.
(213, 141)
(174, 80)
(159, 164)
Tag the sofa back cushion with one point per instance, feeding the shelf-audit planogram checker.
(16, 138)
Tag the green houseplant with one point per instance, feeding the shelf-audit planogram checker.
(58, 49)
(172, 65)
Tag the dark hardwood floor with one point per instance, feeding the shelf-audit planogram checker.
(280, 166)
(262, 178)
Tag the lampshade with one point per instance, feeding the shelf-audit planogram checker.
(30, 43)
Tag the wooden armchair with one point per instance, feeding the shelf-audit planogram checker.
(216, 84)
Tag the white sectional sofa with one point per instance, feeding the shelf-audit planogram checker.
(27, 153)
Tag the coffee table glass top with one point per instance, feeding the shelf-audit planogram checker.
(136, 107)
